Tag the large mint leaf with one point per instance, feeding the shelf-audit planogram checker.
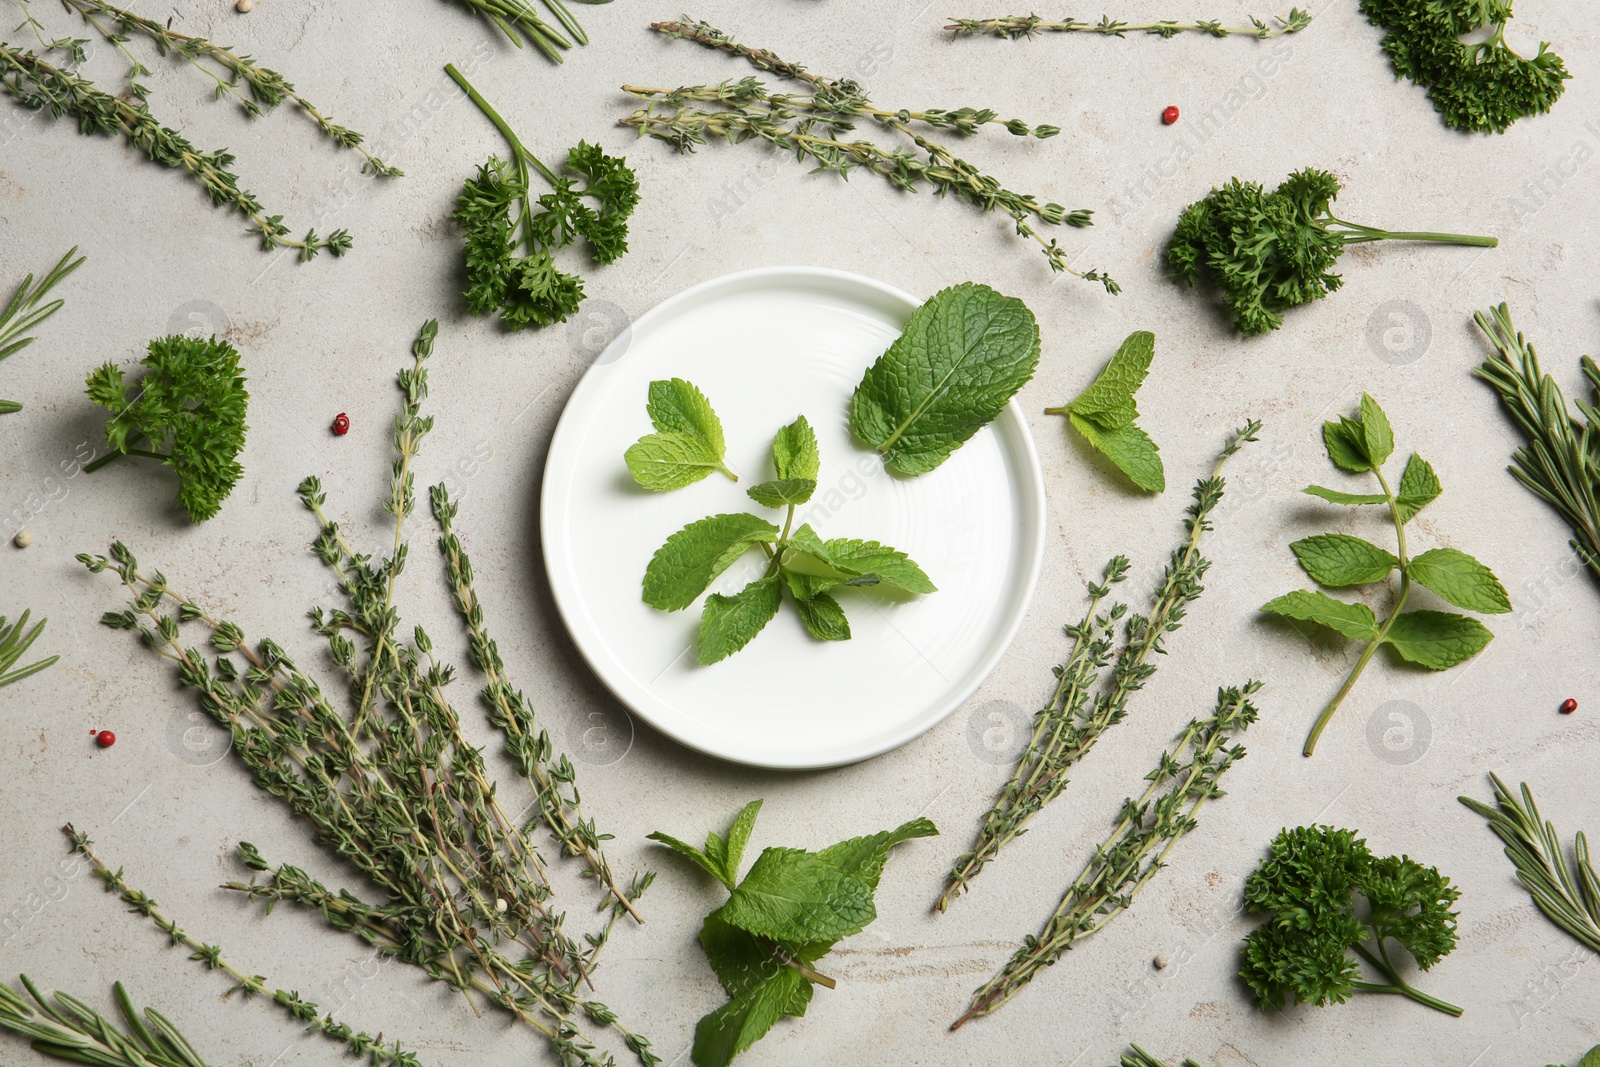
(1129, 447)
(1460, 579)
(1109, 399)
(794, 451)
(1352, 620)
(1437, 639)
(793, 895)
(743, 961)
(744, 1020)
(727, 623)
(864, 857)
(1418, 488)
(1338, 560)
(691, 558)
(962, 357)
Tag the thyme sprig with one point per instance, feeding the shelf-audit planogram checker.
(358, 1042)
(65, 1028)
(393, 787)
(25, 312)
(1013, 27)
(1147, 829)
(1560, 461)
(814, 125)
(1075, 717)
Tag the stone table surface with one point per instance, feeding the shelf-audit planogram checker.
(328, 336)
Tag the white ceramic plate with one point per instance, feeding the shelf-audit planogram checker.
(767, 345)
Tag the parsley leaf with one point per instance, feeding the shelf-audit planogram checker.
(187, 411)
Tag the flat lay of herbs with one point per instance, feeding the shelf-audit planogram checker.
(463, 847)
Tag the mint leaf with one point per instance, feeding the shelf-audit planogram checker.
(1460, 579)
(677, 406)
(1419, 486)
(727, 623)
(1346, 445)
(1333, 496)
(794, 451)
(1109, 400)
(962, 357)
(1437, 639)
(1375, 431)
(744, 1020)
(739, 837)
(742, 962)
(823, 616)
(691, 558)
(793, 895)
(703, 860)
(864, 857)
(1352, 620)
(783, 492)
(1338, 560)
(1129, 447)
(688, 444)
(1591, 1058)
(889, 565)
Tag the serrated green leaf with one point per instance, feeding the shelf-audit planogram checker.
(864, 857)
(663, 461)
(962, 357)
(1591, 1058)
(693, 557)
(744, 1020)
(1376, 433)
(1461, 580)
(1355, 621)
(1109, 400)
(703, 860)
(1338, 560)
(1419, 486)
(793, 895)
(1333, 496)
(1130, 448)
(678, 406)
(1437, 639)
(889, 565)
(738, 838)
(824, 618)
(782, 492)
(727, 623)
(1346, 446)
(794, 451)
(742, 962)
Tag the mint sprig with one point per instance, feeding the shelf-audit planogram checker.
(787, 913)
(1105, 412)
(687, 444)
(1436, 640)
(799, 560)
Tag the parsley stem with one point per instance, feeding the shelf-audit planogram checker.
(1355, 233)
(1397, 984)
(517, 147)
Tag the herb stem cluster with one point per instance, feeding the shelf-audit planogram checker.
(1013, 27)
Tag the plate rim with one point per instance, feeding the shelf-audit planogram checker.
(561, 587)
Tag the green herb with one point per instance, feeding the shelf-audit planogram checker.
(1012, 27)
(1104, 414)
(1560, 462)
(393, 787)
(187, 411)
(1306, 889)
(1480, 86)
(798, 559)
(1138, 1057)
(1590, 1058)
(815, 126)
(1268, 252)
(13, 643)
(961, 358)
(517, 20)
(1568, 894)
(1436, 640)
(788, 912)
(65, 1028)
(495, 211)
(1184, 778)
(1076, 716)
(24, 312)
(687, 444)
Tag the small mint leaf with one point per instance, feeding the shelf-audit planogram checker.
(1109, 400)
(1355, 621)
(1130, 448)
(1461, 580)
(823, 617)
(782, 492)
(693, 557)
(744, 1020)
(1346, 446)
(1334, 496)
(1437, 639)
(794, 451)
(1375, 431)
(727, 623)
(663, 461)
(1419, 486)
(1339, 560)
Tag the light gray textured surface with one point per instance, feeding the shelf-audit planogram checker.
(328, 336)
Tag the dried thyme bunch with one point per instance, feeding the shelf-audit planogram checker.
(1012, 27)
(1184, 778)
(393, 787)
(1075, 717)
(815, 125)
(65, 1028)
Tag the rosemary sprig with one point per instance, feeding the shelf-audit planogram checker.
(1560, 462)
(813, 126)
(518, 21)
(1075, 717)
(1184, 778)
(357, 1042)
(65, 1028)
(393, 787)
(1138, 1057)
(1568, 894)
(13, 643)
(24, 312)
(1012, 27)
